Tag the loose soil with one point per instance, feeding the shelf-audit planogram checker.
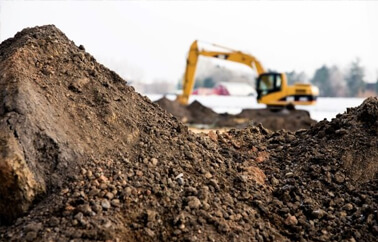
(85, 157)
(197, 114)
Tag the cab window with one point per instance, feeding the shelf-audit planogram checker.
(266, 82)
(278, 82)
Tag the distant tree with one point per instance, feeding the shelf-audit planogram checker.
(321, 79)
(198, 83)
(355, 79)
(337, 81)
(209, 82)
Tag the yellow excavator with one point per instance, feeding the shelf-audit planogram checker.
(272, 88)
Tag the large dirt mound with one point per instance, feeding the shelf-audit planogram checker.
(84, 157)
(324, 180)
(196, 113)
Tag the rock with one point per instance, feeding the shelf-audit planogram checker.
(115, 203)
(85, 209)
(339, 177)
(319, 213)
(348, 206)
(208, 175)
(31, 236)
(33, 226)
(149, 232)
(109, 195)
(274, 181)
(180, 181)
(18, 185)
(105, 204)
(289, 174)
(154, 161)
(54, 221)
(291, 220)
(194, 202)
(151, 215)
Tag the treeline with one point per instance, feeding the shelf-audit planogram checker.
(333, 82)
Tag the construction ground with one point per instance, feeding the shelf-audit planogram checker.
(85, 157)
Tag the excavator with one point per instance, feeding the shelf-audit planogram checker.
(272, 88)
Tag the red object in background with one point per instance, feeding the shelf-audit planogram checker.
(221, 90)
(218, 90)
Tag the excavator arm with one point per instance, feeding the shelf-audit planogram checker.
(229, 55)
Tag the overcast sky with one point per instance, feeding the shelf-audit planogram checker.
(149, 40)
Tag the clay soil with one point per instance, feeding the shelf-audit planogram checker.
(197, 114)
(85, 157)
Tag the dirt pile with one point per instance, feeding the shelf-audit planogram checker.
(98, 161)
(196, 113)
(324, 179)
(176, 109)
(84, 157)
(201, 114)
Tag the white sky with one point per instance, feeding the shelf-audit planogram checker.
(149, 40)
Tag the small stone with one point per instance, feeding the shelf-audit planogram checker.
(93, 192)
(274, 181)
(85, 209)
(128, 190)
(348, 206)
(97, 208)
(89, 174)
(79, 216)
(180, 181)
(319, 213)
(339, 177)
(151, 216)
(149, 232)
(194, 202)
(107, 224)
(105, 204)
(208, 175)
(33, 226)
(109, 195)
(291, 220)
(115, 203)
(103, 178)
(289, 174)
(54, 221)
(65, 191)
(30, 236)
(154, 161)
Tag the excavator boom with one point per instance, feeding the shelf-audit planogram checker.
(191, 65)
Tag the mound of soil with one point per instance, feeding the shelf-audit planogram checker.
(175, 108)
(324, 180)
(84, 157)
(196, 113)
(291, 120)
(201, 114)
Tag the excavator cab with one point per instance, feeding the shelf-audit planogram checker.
(268, 83)
(272, 89)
